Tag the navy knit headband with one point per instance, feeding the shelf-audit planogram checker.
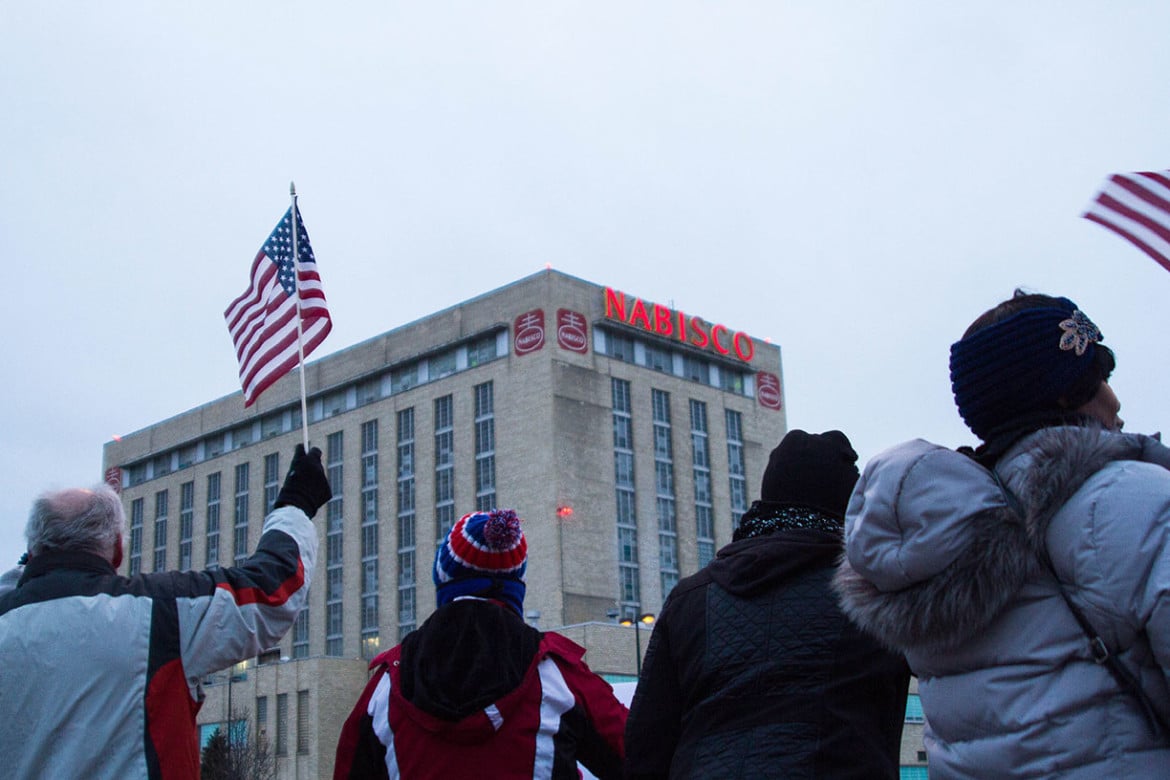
(1022, 364)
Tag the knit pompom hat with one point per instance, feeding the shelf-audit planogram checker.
(1023, 364)
(484, 555)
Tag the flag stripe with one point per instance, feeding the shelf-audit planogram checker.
(262, 321)
(1136, 206)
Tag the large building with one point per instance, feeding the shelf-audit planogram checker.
(629, 436)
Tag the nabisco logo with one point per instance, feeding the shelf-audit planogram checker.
(572, 331)
(768, 390)
(528, 331)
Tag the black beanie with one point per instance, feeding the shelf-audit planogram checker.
(815, 470)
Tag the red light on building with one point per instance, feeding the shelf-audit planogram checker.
(564, 512)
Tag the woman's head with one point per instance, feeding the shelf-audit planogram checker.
(1030, 355)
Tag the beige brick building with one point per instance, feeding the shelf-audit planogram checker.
(628, 436)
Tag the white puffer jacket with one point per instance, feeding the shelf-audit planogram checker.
(938, 566)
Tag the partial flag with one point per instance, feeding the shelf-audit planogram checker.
(1137, 206)
(263, 320)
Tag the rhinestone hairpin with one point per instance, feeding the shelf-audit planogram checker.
(1078, 332)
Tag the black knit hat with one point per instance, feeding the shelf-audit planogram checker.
(1025, 364)
(814, 470)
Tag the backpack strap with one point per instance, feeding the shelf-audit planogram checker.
(1100, 652)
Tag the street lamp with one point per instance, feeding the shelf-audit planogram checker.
(646, 618)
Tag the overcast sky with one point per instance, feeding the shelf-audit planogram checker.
(855, 180)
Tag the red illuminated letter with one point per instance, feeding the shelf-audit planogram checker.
(697, 328)
(662, 320)
(744, 354)
(638, 314)
(615, 302)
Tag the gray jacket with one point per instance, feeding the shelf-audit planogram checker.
(937, 565)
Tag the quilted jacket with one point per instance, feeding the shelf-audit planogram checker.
(752, 671)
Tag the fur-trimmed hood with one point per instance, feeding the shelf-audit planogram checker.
(934, 547)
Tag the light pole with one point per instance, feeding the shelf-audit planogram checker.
(647, 619)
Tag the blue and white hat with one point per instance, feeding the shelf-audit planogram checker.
(484, 555)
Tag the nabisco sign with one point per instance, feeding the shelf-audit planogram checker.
(668, 323)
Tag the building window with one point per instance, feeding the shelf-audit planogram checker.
(629, 590)
(300, 633)
(441, 365)
(242, 436)
(272, 425)
(334, 552)
(136, 474)
(731, 381)
(914, 712)
(160, 530)
(240, 538)
(402, 379)
(213, 446)
(701, 474)
(187, 456)
(271, 480)
(913, 772)
(303, 722)
(186, 523)
(619, 347)
(737, 472)
(282, 724)
(658, 359)
(261, 720)
(136, 512)
(369, 390)
(212, 520)
(696, 369)
(485, 448)
(481, 351)
(334, 403)
(444, 466)
(664, 492)
(162, 465)
(407, 615)
(369, 638)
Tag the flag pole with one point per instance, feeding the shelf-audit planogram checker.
(296, 229)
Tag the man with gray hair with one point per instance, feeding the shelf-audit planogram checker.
(100, 673)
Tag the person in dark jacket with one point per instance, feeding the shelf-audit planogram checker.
(475, 691)
(752, 670)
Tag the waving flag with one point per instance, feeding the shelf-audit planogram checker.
(1137, 206)
(263, 320)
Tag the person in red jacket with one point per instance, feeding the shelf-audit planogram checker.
(476, 691)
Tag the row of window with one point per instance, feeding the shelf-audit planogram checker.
(393, 381)
(237, 728)
(622, 346)
(334, 513)
(629, 585)
(485, 348)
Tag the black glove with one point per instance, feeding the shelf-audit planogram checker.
(306, 486)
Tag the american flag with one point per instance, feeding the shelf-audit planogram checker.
(1137, 206)
(263, 321)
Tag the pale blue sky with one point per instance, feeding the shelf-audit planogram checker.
(855, 180)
